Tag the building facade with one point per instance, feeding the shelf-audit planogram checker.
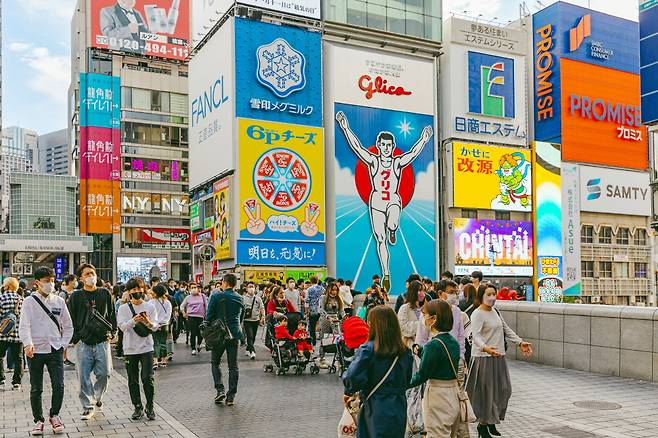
(54, 154)
(128, 122)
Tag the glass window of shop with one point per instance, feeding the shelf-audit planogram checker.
(155, 203)
(158, 135)
(418, 18)
(154, 100)
(153, 169)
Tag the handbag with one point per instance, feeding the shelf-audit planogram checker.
(346, 425)
(415, 422)
(248, 313)
(466, 414)
(140, 328)
(354, 405)
(217, 333)
(96, 325)
(8, 321)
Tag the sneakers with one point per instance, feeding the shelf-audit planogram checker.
(2, 382)
(220, 397)
(323, 364)
(193, 352)
(88, 414)
(16, 387)
(71, 364)
(56, 424)
(138, 414)
(37, 430)
(230, 401)
(150, 414)
(253, 355)
(247, 353)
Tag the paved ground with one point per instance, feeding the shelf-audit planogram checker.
(309, 406)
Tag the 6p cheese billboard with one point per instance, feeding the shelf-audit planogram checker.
(146, 27)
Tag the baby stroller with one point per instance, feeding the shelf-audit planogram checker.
(284, 351)
(354, 333)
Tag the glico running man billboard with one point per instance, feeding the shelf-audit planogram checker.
(146, 27)
(384, 174)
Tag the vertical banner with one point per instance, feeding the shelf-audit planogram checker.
(571, 229)
(548, 220)
(222, 193)
(281, 194)
(100, 153)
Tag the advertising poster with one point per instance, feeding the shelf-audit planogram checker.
(497, 248)
(100, 100)
(165, 238)
(571, 229)
(384, 190)
(503, 177)
(99, 207)
(281, 194)
(649, 59)
(548, 220)
(305, 275)
(280, 73)
(195, 221)
(138, 266)
(259, 276)
(303, 8)
(100, 153)
(206, 14)
(147, 27)
(222, 193)
(616, 191)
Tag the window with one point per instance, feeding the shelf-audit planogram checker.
(469, 214)
(605, 269)
(141, 99)
(640, 237)
(587, 234)
(620, 269)
(356, 12)
(605, 235)
(587, 268)
(640, 269)
(502, 215)
(623, 236)
(100, 64)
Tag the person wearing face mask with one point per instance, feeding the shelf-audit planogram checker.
(179, 296)
(253, 318)
(292, 293)
(194, 308)
(45, 329)
(137, 320)
(94, 324)
(69, 283)
(409, 313)
(489, 387)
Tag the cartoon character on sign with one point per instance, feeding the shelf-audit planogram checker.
(514, 181)
(386, 167)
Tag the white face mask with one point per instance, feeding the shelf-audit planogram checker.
(194, 291)
(453, 299)
(251, 290)
(91, 281)
(47, 288)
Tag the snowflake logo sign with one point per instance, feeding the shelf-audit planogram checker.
(281, 68)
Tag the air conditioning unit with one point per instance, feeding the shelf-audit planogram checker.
(596, 300)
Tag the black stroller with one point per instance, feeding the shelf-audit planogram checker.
(284, 351)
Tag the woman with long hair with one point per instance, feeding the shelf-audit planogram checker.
(332, 310)
(470, 295)
(380, 372)
(489, 386)
(276, 307)
(439, 368)
(409, 313)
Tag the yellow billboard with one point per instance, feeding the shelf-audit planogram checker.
(491, 177)
(221, 192)
(281, 174)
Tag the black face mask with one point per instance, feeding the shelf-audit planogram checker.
(137, 296)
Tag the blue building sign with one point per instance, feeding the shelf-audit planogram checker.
(100, 100)
(278, 73)
(649, 60)
(273, 253)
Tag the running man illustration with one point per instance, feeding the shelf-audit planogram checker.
(384, 204)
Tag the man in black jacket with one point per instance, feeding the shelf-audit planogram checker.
(91, 334)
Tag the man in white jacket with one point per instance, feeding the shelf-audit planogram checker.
(45, 329)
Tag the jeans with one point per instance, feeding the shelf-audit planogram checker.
(313, 319)
(193, 324)
(133, 364)
(15, 350)
(54, 361)
(251, 329)
(231, 348)
(96, 359)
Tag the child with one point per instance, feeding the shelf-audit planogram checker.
(301, 335)
(281, 329)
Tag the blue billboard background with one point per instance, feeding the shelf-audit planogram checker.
(649, 63)
(278, 73)
(100, 100)
(272, 253)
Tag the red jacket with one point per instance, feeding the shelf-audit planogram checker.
(302, 344)
(281, 332)
(272, 307)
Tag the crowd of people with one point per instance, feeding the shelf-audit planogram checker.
(441, 344)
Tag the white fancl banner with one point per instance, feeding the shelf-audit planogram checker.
(303, 8)
(571, 229)
(606, 190)
(205, 14)
(212, 105)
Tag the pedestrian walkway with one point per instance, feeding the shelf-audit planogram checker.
(547, 403)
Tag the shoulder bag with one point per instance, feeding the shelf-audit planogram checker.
(48, 312)
(217, 333)
(140, 328)
(355, 404)
(96, 325)
(164, 328)
(248, 313)
(504, 334)
(466, 414)
(9, 320)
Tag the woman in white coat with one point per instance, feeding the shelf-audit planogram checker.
(409, 313)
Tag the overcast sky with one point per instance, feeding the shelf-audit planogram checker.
(36, 51)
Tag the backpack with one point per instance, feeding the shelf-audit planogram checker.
(8, 321)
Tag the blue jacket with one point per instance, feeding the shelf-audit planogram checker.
(384, 415)
(235, 309)
(179, 296)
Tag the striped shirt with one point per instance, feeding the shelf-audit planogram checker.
(8, 303)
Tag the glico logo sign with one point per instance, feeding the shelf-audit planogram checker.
(380, 85)
(490, 85)
(543, 72)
